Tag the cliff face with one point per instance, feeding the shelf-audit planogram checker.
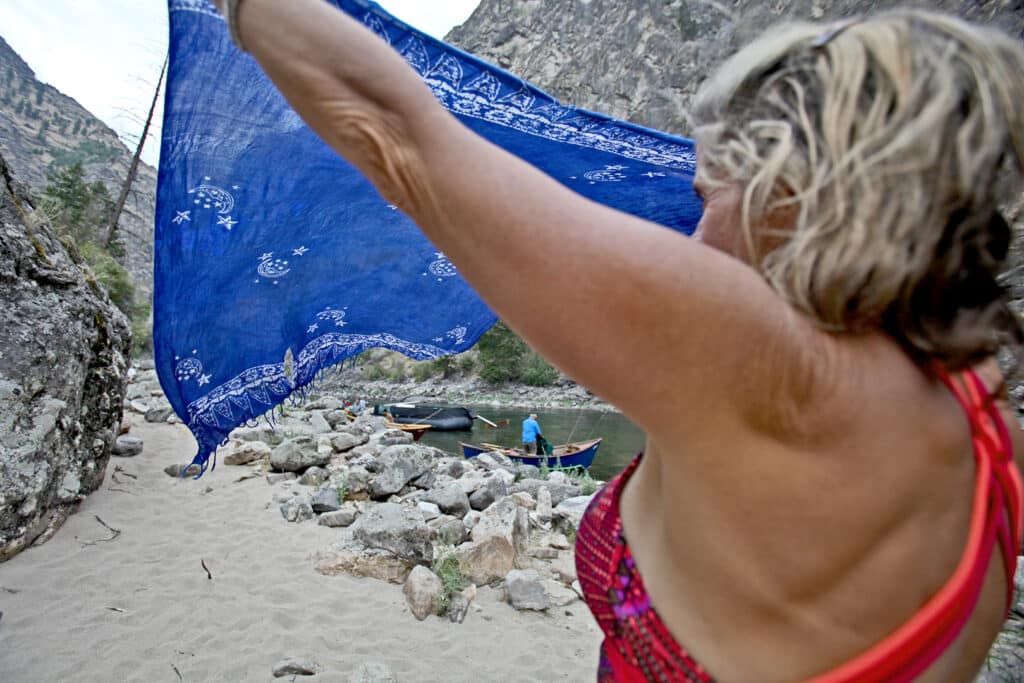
(40, 127)
(643, 60)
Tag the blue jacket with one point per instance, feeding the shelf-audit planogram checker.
(531, 430)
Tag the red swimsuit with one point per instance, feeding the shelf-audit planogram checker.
(638, 647)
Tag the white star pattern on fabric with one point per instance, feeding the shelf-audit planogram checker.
(267, 255)
(227, 222)
(203, 380)
(312, 328)
(182, 217)
(301, 251)
(652, 174)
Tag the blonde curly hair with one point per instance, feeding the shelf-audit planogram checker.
(885, 139)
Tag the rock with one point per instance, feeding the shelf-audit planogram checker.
(545, 553)
(565, 567)
(471, 518)
(501, 519)
(339, 518)
(429, 510)
(159, 414)
(458, 604)
(524, 500)
(297, 509)
(139, 407)
(367, 461)
(262, 433)
(319, 423)
(248, 452)
(389, 526)
(494, 460)
(557, 477)
(470, 481)
(454, 468)
(526, 590)
(422, 592)
(294, 666)
(326, 500)
(527, 472)
(558, 540)
(399, 466)
(578, 589)
(278, 477)
(369, 563)
(344, 442)
(572, 509)
(394, 437)
(358, 481)
(544, 511)
(183, 470)
(314, 476)
(559, 492)
(559, 595)
(425, 480)
(127, 447)
(481, 498)
(486, 561)
(451, 499)
(296, 455)
(373, 672)
(452, 532)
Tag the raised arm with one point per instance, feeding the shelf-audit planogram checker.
(679, 336)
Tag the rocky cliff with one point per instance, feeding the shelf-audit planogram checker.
(643, 60)
(40, 127)
(63, 369)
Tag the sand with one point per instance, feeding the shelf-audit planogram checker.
(141, 608)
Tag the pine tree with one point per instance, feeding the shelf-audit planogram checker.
(39, 96)
(43, 127)
(78, 127)
(20, 109)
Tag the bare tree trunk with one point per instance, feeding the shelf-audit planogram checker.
(127, 186)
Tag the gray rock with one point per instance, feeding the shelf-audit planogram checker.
(572, 509)
(428, 510)
(278, 477)
(495, 488)
(527, 472)
(294, 666)
(494, 460)
(296, 455)
(373, 563)
(367, 461)
(339, 518)
(454, 468)
(298, 509)
(326, 500)
(565, 567)
(425, 480)
(139, 407)
(182, 470)
(451, 499)
(422, 592)
(358, 481)
(398, 530)
(319, 423)
(526, 590)
(524, 500)
(248, 452)
(399, 466)
(544, 509)
(344, 442)
(127, 446)
(458, 604)
(559, 492)
(263, 433)
(394, 437)
(452, 532)
(559, 595)
(501, 519)
(159, 414)
(373, 672)
(314, 476)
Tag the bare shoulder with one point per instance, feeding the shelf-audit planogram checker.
(989, 373)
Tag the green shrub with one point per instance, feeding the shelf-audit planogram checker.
(421, 372)
(111, 275)
(536, 372)
(446, 567)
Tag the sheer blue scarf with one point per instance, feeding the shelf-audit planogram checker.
(276, 259)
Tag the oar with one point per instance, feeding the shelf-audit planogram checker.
(486, 421)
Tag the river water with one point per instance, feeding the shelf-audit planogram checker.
(621, 438)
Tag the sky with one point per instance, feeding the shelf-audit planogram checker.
(107, 54)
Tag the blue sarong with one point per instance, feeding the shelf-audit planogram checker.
(276, 259)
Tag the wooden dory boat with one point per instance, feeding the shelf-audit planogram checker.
(416, 430)
(577, 454)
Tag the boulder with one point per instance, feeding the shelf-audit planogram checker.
(525, 590)
(398, 530)
(486, 561)
(429, 510)
(181, 471)
(297, 509)
(559, 492)
(344, 442)
(458, 604)
(247, 452)
(571, 510)
(399, 465)
(262, 433)
(394, 437)
(369, 563)
(494, 460)
(319, 423)
(544, 509)
(64, 350)
(296, 455)
(451, 499)
(159, 413)
(452, 532)
(494, 489)
(314, 476)
(559, 595)
(326, 499)
(422, 592)
(501, 519)
(278, 477)
(564, 567)
(127, 447)
(342, 517)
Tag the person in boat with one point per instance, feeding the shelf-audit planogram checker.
(359, 407)
(532, 436)
(847, 256)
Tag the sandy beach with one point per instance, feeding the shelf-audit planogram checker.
(140, 607)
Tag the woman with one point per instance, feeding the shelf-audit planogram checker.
(810, 482)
